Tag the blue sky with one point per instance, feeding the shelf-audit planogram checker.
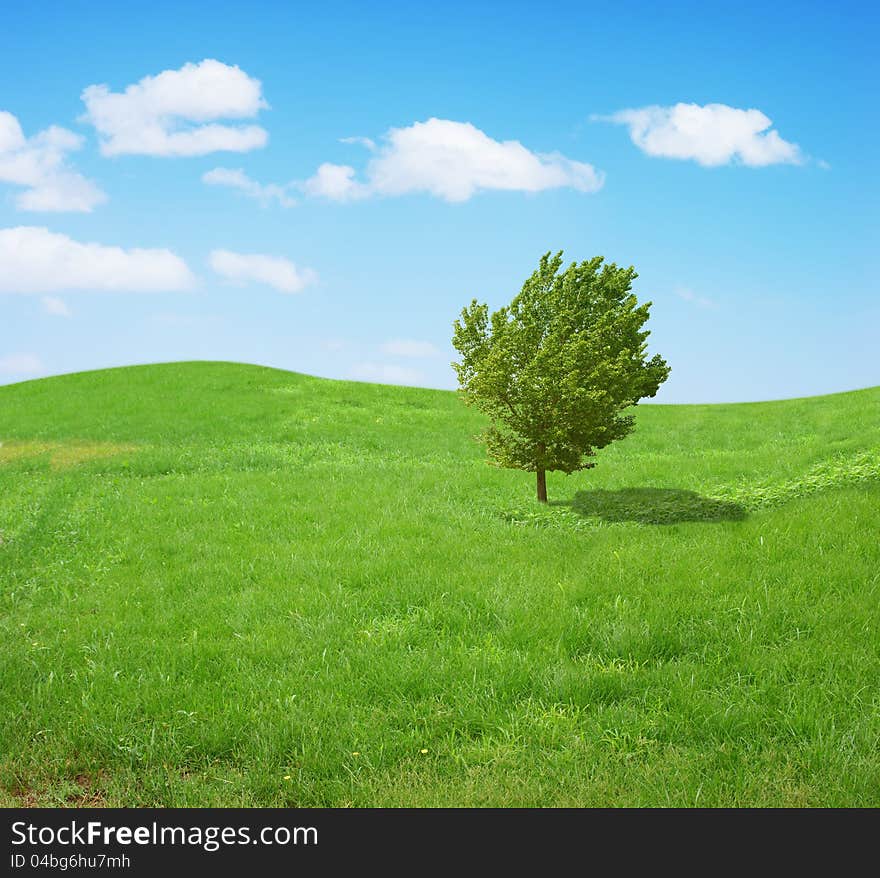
(614, 129)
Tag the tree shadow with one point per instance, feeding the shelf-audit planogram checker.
(653, 506)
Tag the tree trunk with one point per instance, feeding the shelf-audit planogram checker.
(542, 486)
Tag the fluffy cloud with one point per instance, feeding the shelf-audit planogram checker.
(335, 182)
(385, 373)
(39, 163)
(409, 348)
(452, 161)
(20, 365)
(173, 113)
(274, 271)
(237, 179)
(714, 134)
(35, 260)
(55, 306)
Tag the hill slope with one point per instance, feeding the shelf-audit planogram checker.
(225, 584)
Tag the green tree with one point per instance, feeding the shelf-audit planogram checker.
(557, 369)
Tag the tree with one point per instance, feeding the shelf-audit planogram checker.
(557, 369)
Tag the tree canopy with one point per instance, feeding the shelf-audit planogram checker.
(557, 369)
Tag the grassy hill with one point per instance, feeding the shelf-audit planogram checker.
(232, 585)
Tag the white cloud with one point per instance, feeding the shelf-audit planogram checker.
(237, 179)
(689, 295)
(21, 364)
(714, 134)
(274, 271)
(262, 192)
(335, 182)
(35, 260)
(386, 373)
(409, 348)
(55, 306)
(360, 141)
(39, 163)
(453, 161)
(173, 113)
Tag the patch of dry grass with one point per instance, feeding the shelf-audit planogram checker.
(62, 455)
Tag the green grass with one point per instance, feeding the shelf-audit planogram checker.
(231, 585)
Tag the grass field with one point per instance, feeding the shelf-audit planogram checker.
(232, 585)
